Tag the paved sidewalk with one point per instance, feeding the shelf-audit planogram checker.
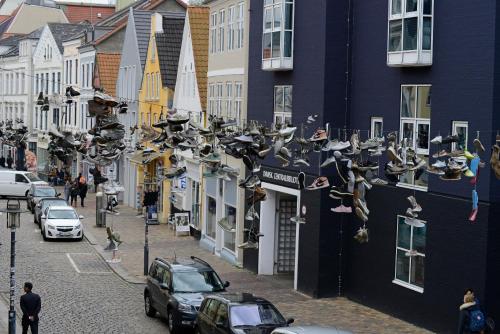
(339, 312)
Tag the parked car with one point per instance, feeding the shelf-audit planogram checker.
(37, 192)
(238, 313)
(43, 204)
(17, 183)
(175, 289)
(309, 330)
(61, 222)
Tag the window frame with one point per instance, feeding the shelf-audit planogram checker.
(460, 124)
(238, 100)
(397, 280)
(282, 115)
(281, 61)
(213, 32)
(418, 55)
(231, 20)
(415, 121)
(221, 31)
(207, 233)
(240, 24)
(374, 120)
(229, 98)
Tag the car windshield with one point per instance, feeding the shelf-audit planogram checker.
(62, 214)
(45, 192)
(48, 203)
(255, 315)
(195, 281)
(32, 177)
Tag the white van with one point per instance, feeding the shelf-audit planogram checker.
(17, 183)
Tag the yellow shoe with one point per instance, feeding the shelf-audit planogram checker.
(469, 173)
(468, 155)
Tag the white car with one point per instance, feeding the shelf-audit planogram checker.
(309, 330)
(61, 222)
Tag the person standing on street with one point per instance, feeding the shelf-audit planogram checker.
(74, 193)
(67, 190)
(83, 191)
(2, 161)
(31, 304)
(9, 161)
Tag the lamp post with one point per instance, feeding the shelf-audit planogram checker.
(13, 221)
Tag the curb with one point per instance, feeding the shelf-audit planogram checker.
(117, 268)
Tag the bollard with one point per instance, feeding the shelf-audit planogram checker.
(100, 210)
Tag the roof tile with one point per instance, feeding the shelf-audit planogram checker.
(108, 65)
(168, 45)
(199, 25)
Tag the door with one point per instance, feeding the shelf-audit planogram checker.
(221, 322)
(286, 229)
(22, 184)
(207, 324)
(159, 298)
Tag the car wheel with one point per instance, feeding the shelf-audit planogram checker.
(148, 306)
(172, 325)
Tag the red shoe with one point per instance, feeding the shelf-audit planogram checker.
(473, 215)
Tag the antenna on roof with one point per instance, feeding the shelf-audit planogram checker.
(175, 257)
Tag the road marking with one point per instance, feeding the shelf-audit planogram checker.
(73, 263)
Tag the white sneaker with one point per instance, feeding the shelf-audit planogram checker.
(437, 140)
(378, 181)
(439, 164)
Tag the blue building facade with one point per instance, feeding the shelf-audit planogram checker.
(417, 67)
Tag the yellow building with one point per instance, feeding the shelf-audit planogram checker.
(156, 98)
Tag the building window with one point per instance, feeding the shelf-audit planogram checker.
(53, 82)
(158, 85)
(153, 51)
(59, 82)
(195, 205)
(88, 75)
(283, 105)
(415, 122)
(55, 116)
(219, 98)
(229, 99)
(211, 217)
(238, 100)
(153, 86)
(230, 237)
(460, 129)
(410, 253)
(70, 71)
(46, 83)
(410, 32)
(211, 99)
(213, 33)
(277, 37)
(148, 86)
(377, 127)
(241, 17)
(231, 27)
(222, 22)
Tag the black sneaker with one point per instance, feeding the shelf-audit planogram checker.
(302, 180)
(449, 139)
(40, 99)
(45, 106)
(71, 91)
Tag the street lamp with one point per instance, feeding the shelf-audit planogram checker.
(13, 211)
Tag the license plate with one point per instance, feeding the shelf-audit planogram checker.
(65, 234)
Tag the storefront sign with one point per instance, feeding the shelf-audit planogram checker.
(281, 177)
(181, 222)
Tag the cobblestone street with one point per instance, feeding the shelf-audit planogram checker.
(80, 294)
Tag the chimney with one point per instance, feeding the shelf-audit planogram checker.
(158, 23)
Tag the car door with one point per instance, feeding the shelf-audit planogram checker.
(207, 324)
(22, 184)
(159, 298)
(221, 321)
(165, 294)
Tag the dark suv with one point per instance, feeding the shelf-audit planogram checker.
(176, 289)
(239, 314)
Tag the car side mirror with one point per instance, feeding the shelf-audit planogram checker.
(164, 286)
(81, 217)
(226, 284)
(290, 321)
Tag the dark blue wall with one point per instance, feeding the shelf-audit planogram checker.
(461, 76)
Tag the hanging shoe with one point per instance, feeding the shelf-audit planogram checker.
(473, 215)
(478, 145)
(415, 206)
(302, 179)
(45, 106)
(319, 135)
(362, 235)
(449, 139)
(71, 91)
(298, 220)
(319, 183)
(411, 213)
(437, 140)
(342, 209)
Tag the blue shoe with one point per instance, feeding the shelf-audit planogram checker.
(475, 199)
(474, 165)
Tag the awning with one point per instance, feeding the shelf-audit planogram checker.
(140, 159)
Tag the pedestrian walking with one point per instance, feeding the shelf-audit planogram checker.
(2, 161)
(471, 318)
(9, 161)
(67, 190)
(31, 304)
(83, 193)
(74, 194)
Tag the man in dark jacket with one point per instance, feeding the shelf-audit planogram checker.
(9, 161)
(31, 304)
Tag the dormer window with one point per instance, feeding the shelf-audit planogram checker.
(277, 36)
(410, 30)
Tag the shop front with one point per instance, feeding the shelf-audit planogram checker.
(223, 222)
